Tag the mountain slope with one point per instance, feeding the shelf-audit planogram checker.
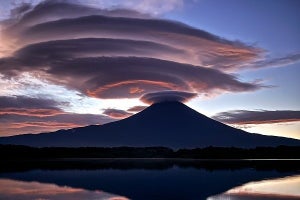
(169, 124)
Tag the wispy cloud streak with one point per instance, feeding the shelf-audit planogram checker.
(244, 117)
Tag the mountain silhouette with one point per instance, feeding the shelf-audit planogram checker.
(168, 124)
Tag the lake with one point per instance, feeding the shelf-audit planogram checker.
(121, 179)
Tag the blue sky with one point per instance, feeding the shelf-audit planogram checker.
(271, 25)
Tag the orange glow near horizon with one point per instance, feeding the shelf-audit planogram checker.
(290, 129)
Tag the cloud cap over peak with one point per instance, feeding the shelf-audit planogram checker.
(166, 96)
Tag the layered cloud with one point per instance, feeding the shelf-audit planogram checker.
(22, 105)
(56, 20)
(244, 117)
(199, 47)
(164, 96)
(119, 53)
(22, 114)
(50, 21)
(130, 77)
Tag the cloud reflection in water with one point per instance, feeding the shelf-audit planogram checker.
(280, 188)
(21, 190)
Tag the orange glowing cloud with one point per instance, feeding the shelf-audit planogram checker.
(135, 88)
(116, 113)
(56, 125)
(31, 112)
(136, 108)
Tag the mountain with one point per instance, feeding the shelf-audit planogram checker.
(168, 124)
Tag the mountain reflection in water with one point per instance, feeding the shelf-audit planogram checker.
(149, 179)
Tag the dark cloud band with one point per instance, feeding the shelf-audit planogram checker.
(65, 49)
(243, 117)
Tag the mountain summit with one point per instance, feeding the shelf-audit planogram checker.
(168, 124)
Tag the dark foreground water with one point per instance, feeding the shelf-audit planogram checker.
(153, 179)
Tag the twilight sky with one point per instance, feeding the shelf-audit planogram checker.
(66, 64)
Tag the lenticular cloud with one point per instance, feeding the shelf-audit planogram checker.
(119, 53)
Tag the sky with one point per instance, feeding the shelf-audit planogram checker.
(66, 64)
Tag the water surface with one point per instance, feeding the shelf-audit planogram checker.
(154, 179)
